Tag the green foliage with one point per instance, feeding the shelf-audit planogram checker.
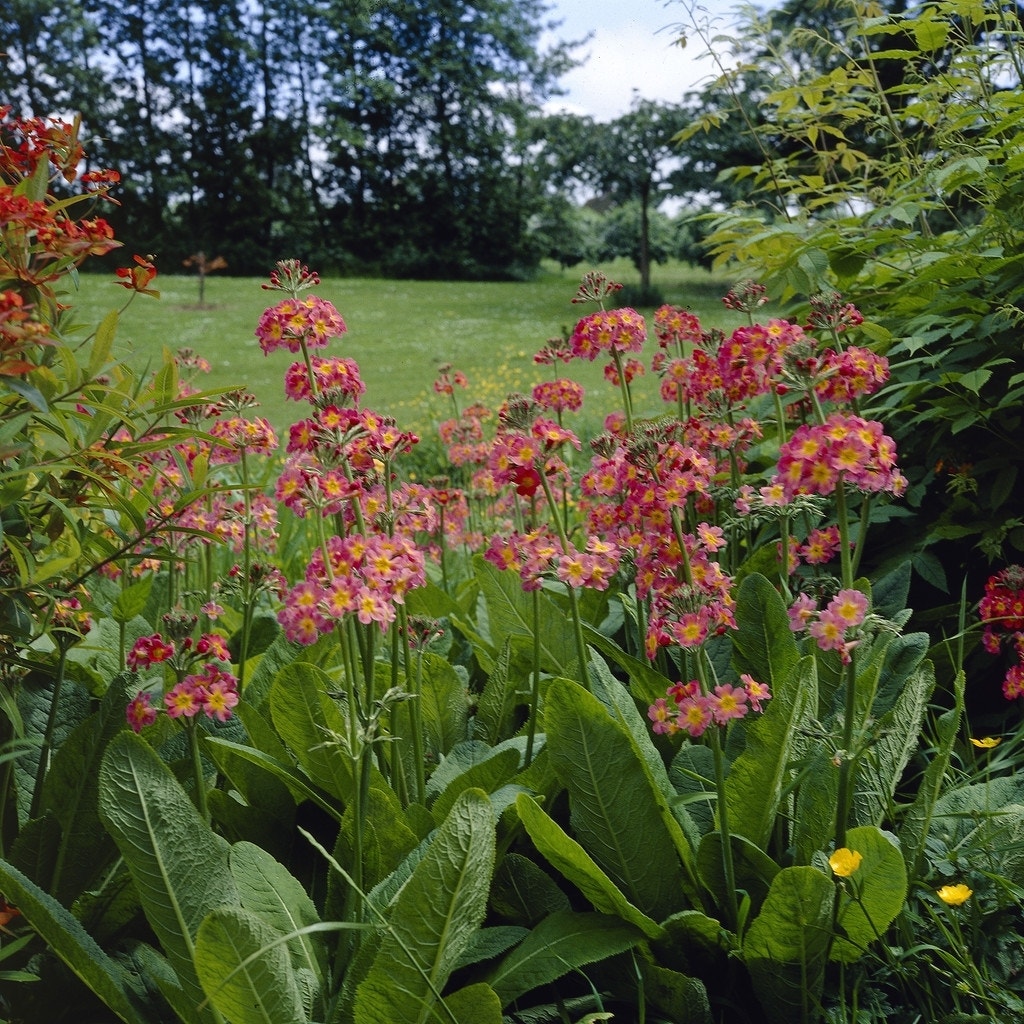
(179, 867)
(786, 948)
(432, 919)
(882, 167)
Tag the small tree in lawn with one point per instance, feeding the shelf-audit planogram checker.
(204, 265)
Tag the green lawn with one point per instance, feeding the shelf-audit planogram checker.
(398, 332)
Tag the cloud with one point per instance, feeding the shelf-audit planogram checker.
(627, 61)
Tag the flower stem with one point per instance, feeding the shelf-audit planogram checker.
(198, 774)
(574, 604)
(535, 689)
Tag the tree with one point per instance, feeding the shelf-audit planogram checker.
(634, 161)
(902, 192)
(427, 131)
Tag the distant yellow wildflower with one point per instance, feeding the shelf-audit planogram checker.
(954, 895)
(988, 742)
(844, 862)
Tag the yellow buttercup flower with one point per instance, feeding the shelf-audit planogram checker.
(844, 862)
(954, 895)
(988, 742)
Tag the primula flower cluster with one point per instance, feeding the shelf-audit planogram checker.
(365, 576)
(201, 684)
(539, 554)
(845, 449)
(608, 332)
(833, 627)
(1002, 611)
(687, 709)
(294, 322)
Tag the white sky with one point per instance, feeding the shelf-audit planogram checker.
(632, 48)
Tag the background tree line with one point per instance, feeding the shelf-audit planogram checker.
(398, 137)
(408, 138)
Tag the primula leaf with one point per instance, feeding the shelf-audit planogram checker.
(247, 974)
(760, 774)
(523, 891)
(496, 707)
(917, 820)
(645, 681)
(71, 790)
(433, 918)
(816, 800)
(560, 943)
(475, 1004)
(881, 768)
(510, 613)
(617, 811)
(179, 867)
(269, 890)
(488, 775)
(572, 860)
(64, 934)
(489, 943)
(444, 702)
(786, 946)
(683, 999)
(387, 838)
(753, 869)
(872, 896)
(763, 644)
(310, 723)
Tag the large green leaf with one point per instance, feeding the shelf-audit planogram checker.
(760, 774)
(523, 891)
(564, 854)
(433, 919)
(387, 837)
(753, 869)
(179, 867)
(71, 791)
(510, 613)
(269, 890)
(763, 644)
(488, 775)
(917, 822)
(645, 681)
(622, 707)
(246, 973)
(899, 735)
(34, 703)
(559, 944)
(64, 934)
(786, 947)
(475, 1004)
(494, 720)
(682, 998)
(308, 719)
(444, 703)
(816, 801)
(296, 781)
(872, 896)
(617, 811)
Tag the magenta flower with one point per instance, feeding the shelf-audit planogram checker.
(849, 606)
(727, 702)
(149, 650)
(183, 700)
(139, 712)
(293, 322)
